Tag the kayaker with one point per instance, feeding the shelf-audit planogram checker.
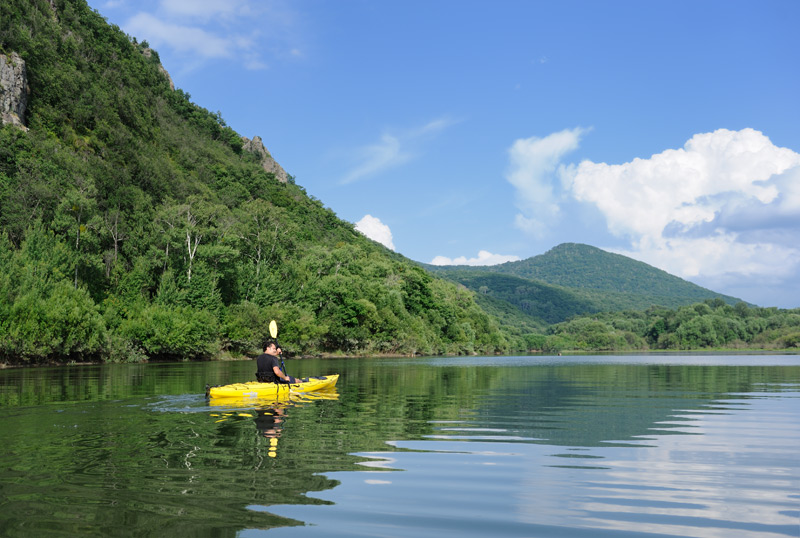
(269, 369)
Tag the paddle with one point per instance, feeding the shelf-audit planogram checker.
(273, 329)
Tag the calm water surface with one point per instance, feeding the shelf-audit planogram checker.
(703, 446)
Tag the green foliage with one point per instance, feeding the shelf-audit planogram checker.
(172, 332)
(53, 322)
(710, 324)
(791, 340)
(539, 302)
(244, 327)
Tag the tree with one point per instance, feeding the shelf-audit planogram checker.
(118, 233)
(696, 333)
(266, 238)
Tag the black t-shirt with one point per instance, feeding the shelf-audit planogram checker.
(265, 372)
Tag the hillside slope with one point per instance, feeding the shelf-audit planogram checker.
(135, 223)
(573, 279)
(576, 265)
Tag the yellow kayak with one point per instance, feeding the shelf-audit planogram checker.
(276, 391)
(272, 401)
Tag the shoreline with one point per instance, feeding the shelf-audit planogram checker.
(225, 357)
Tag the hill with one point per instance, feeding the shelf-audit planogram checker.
(582, 266)
(136, 224)
(573, 279)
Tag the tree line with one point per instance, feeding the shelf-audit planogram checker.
(712, 324)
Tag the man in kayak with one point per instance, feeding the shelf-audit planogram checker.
(269, 369)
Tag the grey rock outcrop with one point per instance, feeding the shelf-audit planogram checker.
(166, 74)
(14, 89)
(267, 162)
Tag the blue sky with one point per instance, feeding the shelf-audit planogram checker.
(482, 132)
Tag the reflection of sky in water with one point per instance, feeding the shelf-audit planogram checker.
(737, 474)
(665, 358)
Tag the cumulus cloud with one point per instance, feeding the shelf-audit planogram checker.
(725, 206)
(392, 150)
(533, 171)
(376, 230)
(484, 258)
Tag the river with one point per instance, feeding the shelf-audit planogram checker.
(528, 446)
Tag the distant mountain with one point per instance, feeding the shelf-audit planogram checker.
(583, 266)
(573, 279)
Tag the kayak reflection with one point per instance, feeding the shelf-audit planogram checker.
(269, 423)
(269, 413)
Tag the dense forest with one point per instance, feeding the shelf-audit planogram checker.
(712, 324)
(135, 224)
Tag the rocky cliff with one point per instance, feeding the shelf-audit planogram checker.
(267, 162)
(14, 89)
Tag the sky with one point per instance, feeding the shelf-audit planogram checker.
(478, 132)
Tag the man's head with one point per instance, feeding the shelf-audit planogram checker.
(270, 347)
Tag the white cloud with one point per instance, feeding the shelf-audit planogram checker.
(205, 9)
(726, 206)
(375, 158)
(683, 188)
(200, 30)
(433, 127)
(533, 171)
(392, 150)
(376, 230)
(484, 258)
(183, 39)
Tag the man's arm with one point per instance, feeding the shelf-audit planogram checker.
(280, 374)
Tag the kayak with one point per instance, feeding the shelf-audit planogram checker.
(256, 390)
(281, 400)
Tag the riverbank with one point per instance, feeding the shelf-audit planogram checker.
(228, 357)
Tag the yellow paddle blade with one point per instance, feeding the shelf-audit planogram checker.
(273, 329)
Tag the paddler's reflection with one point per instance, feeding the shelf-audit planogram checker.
(269, 423)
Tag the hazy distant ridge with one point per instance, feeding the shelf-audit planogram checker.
(573, 278)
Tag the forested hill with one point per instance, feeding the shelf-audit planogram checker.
(135, 223)
(582, 266)
(575, 265)
(573, 279)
